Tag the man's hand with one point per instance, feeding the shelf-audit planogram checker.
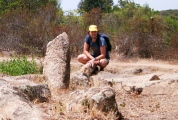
(92, 62)
(97, 62)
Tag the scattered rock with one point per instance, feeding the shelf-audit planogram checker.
(154, 77)
(132, 89)
(136, 90)
(137, 71)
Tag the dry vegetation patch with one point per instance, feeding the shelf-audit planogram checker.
(157, 101)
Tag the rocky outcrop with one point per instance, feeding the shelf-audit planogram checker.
(82, 78)
(16, 106)
(87, 69)
(99, 99)
(56, 68)
(37, 93)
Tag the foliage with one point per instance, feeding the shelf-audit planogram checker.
(171, 28)
(93, 17)
(32, 5)
(73, 25)
(171, 23)
(18, 66)
(140, 30)
(104, 5)
(171, 13)
(123, 3)
(134, 30)
(27, 32)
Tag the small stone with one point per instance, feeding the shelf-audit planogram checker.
(154, 77)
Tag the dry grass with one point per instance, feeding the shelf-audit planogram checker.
(57, 110)
(156, 102)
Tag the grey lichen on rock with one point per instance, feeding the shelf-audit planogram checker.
(56, 66)
(38, 93)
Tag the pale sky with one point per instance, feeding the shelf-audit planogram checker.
(67, 5)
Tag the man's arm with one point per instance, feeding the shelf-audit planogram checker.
(103, 53)
(86, 51)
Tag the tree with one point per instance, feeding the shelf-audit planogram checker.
(104, 5)
(123, 3)
(33, 5)
(26, 25)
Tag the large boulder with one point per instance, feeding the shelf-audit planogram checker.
(97, 99)
(56, 68)
(16, 106)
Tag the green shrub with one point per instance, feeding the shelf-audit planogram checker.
(19, 66)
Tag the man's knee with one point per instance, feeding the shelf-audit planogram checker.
(79, 57)
(104, 62)
(82, 58)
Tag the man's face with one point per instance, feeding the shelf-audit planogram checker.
(93, 34)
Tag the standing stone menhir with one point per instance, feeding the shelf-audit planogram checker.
(56, 68)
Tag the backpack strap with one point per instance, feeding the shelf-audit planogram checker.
(98, 40)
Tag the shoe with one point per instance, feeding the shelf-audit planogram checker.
(101, 69)
(95, 71)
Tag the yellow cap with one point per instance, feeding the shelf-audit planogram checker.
(93, 28)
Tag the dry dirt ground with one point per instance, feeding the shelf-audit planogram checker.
(158, 101)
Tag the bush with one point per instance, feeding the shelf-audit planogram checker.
(19, 66)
